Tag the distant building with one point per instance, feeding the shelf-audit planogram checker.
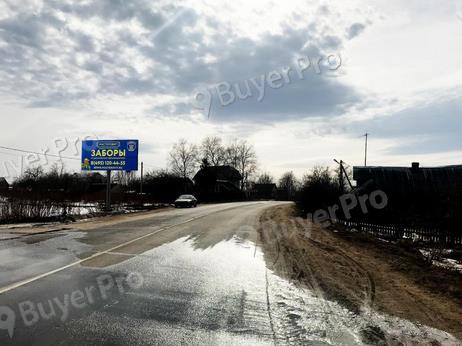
(94, 182)
(219, 178)
(264, 191)
(167, 188)
(95, 178)
(218, 183)
(4, 186)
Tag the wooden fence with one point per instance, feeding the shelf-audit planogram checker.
(395, 232)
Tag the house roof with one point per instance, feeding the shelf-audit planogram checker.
(3, 182)
(225, 173)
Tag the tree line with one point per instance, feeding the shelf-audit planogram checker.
(186, 158)
(315, 190)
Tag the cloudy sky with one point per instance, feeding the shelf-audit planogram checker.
(159, 71)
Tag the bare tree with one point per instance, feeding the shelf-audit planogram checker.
(289, 184)
(246, 161)
(160, 173)
(231, 154)
(125, 178)
(213, 151)
(265, 178)
(183, 158)
(33, 173)
(57, 169)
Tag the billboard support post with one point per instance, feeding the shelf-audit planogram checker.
(108, 190)
(141, 180)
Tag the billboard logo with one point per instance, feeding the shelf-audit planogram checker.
(108, 144)
(131, 146)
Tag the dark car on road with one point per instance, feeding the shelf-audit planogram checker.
(186, 201)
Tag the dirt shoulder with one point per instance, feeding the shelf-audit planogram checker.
(361, 272)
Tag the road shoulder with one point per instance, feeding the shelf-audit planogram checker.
(361, 273)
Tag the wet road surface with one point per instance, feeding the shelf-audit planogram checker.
(186, 276)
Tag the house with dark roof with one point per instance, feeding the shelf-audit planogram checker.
(218, 183)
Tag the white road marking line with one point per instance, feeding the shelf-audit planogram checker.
(25, 282)
(41, 276)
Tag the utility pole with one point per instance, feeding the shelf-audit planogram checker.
(141, 180)
(341, 180)
(342, 175)
(108, 190)
(365, 150)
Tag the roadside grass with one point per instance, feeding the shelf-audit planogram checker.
(405, 257)
(15, 210)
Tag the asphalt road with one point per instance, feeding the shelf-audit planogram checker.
(183, 276)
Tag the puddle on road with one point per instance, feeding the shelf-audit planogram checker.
(27, 257)
(220, 294)
(227, 289)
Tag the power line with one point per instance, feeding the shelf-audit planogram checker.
(57, 156)
(4, 152)
(37, 153)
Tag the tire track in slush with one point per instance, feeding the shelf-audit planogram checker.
(356, 266)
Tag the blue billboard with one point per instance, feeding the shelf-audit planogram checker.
(110, 155)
